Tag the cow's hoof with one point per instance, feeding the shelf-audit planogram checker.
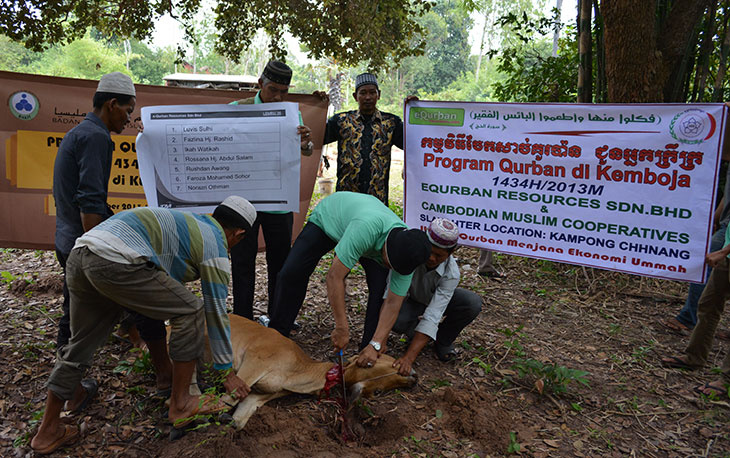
(177, 433)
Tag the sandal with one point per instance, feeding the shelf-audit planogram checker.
(714, 390)
(445, 353)
(675, 362)
(70, 435)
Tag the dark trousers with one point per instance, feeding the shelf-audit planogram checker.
(64, 325)
(463, 308)
(277, 229)
(309, 247)
(150, 330)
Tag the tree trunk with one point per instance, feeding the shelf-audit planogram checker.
(481, 47)
(601, 96)
(556, 35)
(632, 64)
(585, 57)
(703, 60)
(721, 66)
(675, 43)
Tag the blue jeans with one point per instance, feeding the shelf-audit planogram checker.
(688, 315)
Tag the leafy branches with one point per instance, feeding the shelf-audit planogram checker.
(350, 32)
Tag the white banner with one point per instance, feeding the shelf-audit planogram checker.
(629, 188)
(194, 156)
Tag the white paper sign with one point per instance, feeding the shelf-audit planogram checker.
(629, 188)
(194, 156)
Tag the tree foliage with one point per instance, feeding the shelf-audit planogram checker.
(531, 72)
(350, 32)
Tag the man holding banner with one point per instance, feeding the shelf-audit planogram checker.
(81, 173)
(364, 139)
(686, 319)
(709, 310)
(276, 225)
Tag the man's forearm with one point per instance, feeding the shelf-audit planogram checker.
(336, 296)
(419, 341)
(388, 315)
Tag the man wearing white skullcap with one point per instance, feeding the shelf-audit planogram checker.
(80, 185)
(432, 295)
(139, 260)
(82, 169)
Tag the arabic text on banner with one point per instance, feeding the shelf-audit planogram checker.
(629, 188)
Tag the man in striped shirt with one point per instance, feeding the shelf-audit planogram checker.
(139, 260)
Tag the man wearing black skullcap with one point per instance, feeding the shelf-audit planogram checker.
(276, 225)
(357, 226)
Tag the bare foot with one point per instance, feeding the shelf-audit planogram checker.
(84, 393)
(183, 412)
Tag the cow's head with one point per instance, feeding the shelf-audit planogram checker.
(364, 381)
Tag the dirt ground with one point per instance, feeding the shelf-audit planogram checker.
(588, 320)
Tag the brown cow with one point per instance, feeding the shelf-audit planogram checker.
(274, 366)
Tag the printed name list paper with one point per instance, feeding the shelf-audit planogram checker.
(194, 156)
(622, 187)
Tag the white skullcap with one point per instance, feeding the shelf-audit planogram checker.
(241, 206)
(116, 83)
(443, 233)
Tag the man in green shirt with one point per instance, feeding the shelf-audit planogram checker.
(276, 225)
(357, 226)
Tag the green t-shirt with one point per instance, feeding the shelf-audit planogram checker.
(359, 223)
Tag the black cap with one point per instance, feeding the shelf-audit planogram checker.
(278, 72)
(364, 79)
(407, 249)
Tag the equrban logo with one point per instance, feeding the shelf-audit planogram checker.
(692, 126)
(436, 116)
(23, 105)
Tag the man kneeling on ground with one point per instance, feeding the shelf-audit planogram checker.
(433, 294)
(138, 260)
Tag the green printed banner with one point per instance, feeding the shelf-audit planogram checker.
(629, 188)
(436, 116)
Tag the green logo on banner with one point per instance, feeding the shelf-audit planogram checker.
(436, 116)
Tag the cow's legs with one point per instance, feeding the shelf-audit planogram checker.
(248, 406)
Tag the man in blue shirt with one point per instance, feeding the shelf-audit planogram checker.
(81, 172)
(80, 187)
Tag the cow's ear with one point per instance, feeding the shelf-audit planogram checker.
(355, 393)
